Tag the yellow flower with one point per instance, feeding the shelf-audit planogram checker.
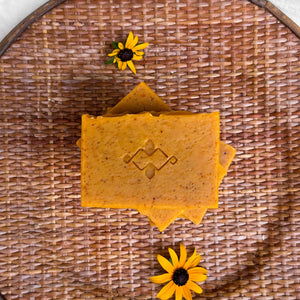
(182, 275)
(124, 55)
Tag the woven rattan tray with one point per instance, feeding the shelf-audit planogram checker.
(204, 55)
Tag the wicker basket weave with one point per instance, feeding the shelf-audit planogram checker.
(204, 55)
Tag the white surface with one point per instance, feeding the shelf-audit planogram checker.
(289, 7)
(14, 11)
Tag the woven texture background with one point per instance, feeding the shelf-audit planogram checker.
(204, 55)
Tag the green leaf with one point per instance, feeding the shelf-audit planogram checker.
(116, 65)
(115, 45)
(110, 61)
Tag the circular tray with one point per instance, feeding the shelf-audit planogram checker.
(207, 55)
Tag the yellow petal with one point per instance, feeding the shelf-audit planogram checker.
(183, 256)
(129, 39)
(114, 53)
(140, 53)
(197, 274)
(197, 270)
(178, 293)
(194, 287)
(187, 265)
(174, 258)
(121, 46)
(195, 261)
(140, 47)
(136, 57)
(120, 64)
(161, 278)
(133, 43)
(165, 264)
(167, 291)
(197, 277)
(131, 66)
(186, 293)
(124, 65)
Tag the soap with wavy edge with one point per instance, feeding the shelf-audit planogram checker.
(118, 170)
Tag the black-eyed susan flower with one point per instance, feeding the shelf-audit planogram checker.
(124, 55)
(181, 275)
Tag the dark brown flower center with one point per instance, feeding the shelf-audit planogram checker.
(125, 54)
(180, 276)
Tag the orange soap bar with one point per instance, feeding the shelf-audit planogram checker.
(141, 160)
(140, 99)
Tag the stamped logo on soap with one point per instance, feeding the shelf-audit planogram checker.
(150, 159)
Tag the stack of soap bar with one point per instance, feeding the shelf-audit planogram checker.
(166, 165)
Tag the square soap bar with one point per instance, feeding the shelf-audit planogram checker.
(141, 160)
